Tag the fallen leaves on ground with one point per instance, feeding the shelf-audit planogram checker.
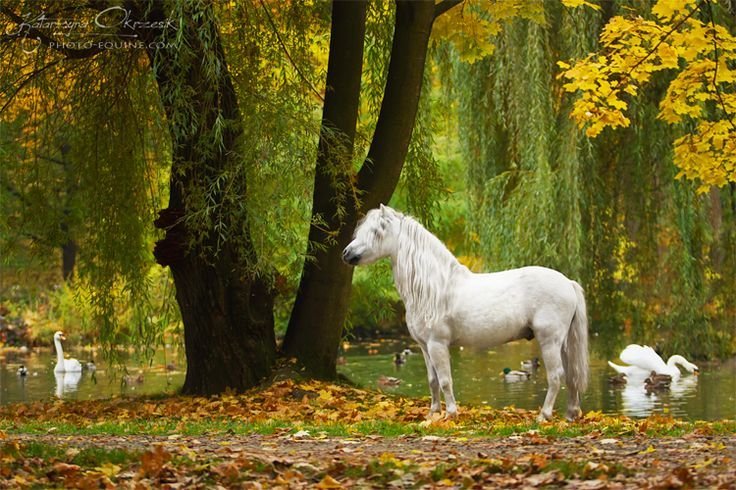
(482, 447)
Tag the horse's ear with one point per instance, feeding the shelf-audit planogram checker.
(383, 209)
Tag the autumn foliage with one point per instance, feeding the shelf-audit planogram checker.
(683, 39)
(322, 435)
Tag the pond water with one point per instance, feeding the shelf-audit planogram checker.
(477, 379)
(41, 383)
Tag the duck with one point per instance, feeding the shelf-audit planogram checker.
(64, 365)
(511, 376)
(388, 381)
(658, 378)
(530, 364)
(407, 352)
(91, 366)
(129, 379)
(618, 380)
(22, 370)
(642, 360)
(657, 382)
(399, 359)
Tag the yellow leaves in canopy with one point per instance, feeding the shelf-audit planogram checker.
(708, 154)
(668, 56)
(472, 26)
(599, 105)
(667, 10)
(579, 3)
(632, 50)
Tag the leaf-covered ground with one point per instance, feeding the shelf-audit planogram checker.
(320, 435)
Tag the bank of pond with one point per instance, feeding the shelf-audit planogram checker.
(396, 366)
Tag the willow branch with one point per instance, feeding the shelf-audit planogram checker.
(25, 82)
(286, 51)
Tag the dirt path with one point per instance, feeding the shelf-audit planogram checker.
(528, 460)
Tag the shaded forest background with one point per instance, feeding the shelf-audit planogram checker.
(93, 145)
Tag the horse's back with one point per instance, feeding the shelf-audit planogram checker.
(494, 308)
(531, 284)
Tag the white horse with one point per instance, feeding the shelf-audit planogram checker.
(447, 304)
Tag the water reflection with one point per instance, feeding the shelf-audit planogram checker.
(67, 383)
(684, 386)
(638, 402)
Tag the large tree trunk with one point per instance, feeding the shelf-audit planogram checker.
(68, 259)
(227, 310)
(317, 321)
(380, 173)
(228, 326)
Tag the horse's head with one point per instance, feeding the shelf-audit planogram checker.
(374, 238)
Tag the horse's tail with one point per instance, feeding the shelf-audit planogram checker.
(576, 344)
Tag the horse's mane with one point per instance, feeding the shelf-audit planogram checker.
(422, 271)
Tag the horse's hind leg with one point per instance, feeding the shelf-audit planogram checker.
(439, 356)
(434, 383)
(573, 396)
(551, 346)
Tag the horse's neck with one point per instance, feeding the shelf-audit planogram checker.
(422, 267)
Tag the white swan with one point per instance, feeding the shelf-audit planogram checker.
(64, 365)
(642, 360)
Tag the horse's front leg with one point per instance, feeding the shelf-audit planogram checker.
(434, 383)
(439, 355)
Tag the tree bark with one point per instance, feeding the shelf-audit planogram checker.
(68, 259)
(321, 304)
(380, 173)
(318, 317)
(227, 311)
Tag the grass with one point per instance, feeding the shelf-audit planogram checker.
(83, 457)
(384, 428)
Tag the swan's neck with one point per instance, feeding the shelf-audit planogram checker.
(59, 351)
(676, 360)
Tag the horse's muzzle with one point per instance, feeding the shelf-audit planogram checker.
(349, 257)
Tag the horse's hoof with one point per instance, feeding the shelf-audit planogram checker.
(573, 415)
(450, 415)
(433, 415)
(543, 418)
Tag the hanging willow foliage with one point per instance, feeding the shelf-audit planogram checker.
(87, 169)
(653, 255)
(108, 110)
